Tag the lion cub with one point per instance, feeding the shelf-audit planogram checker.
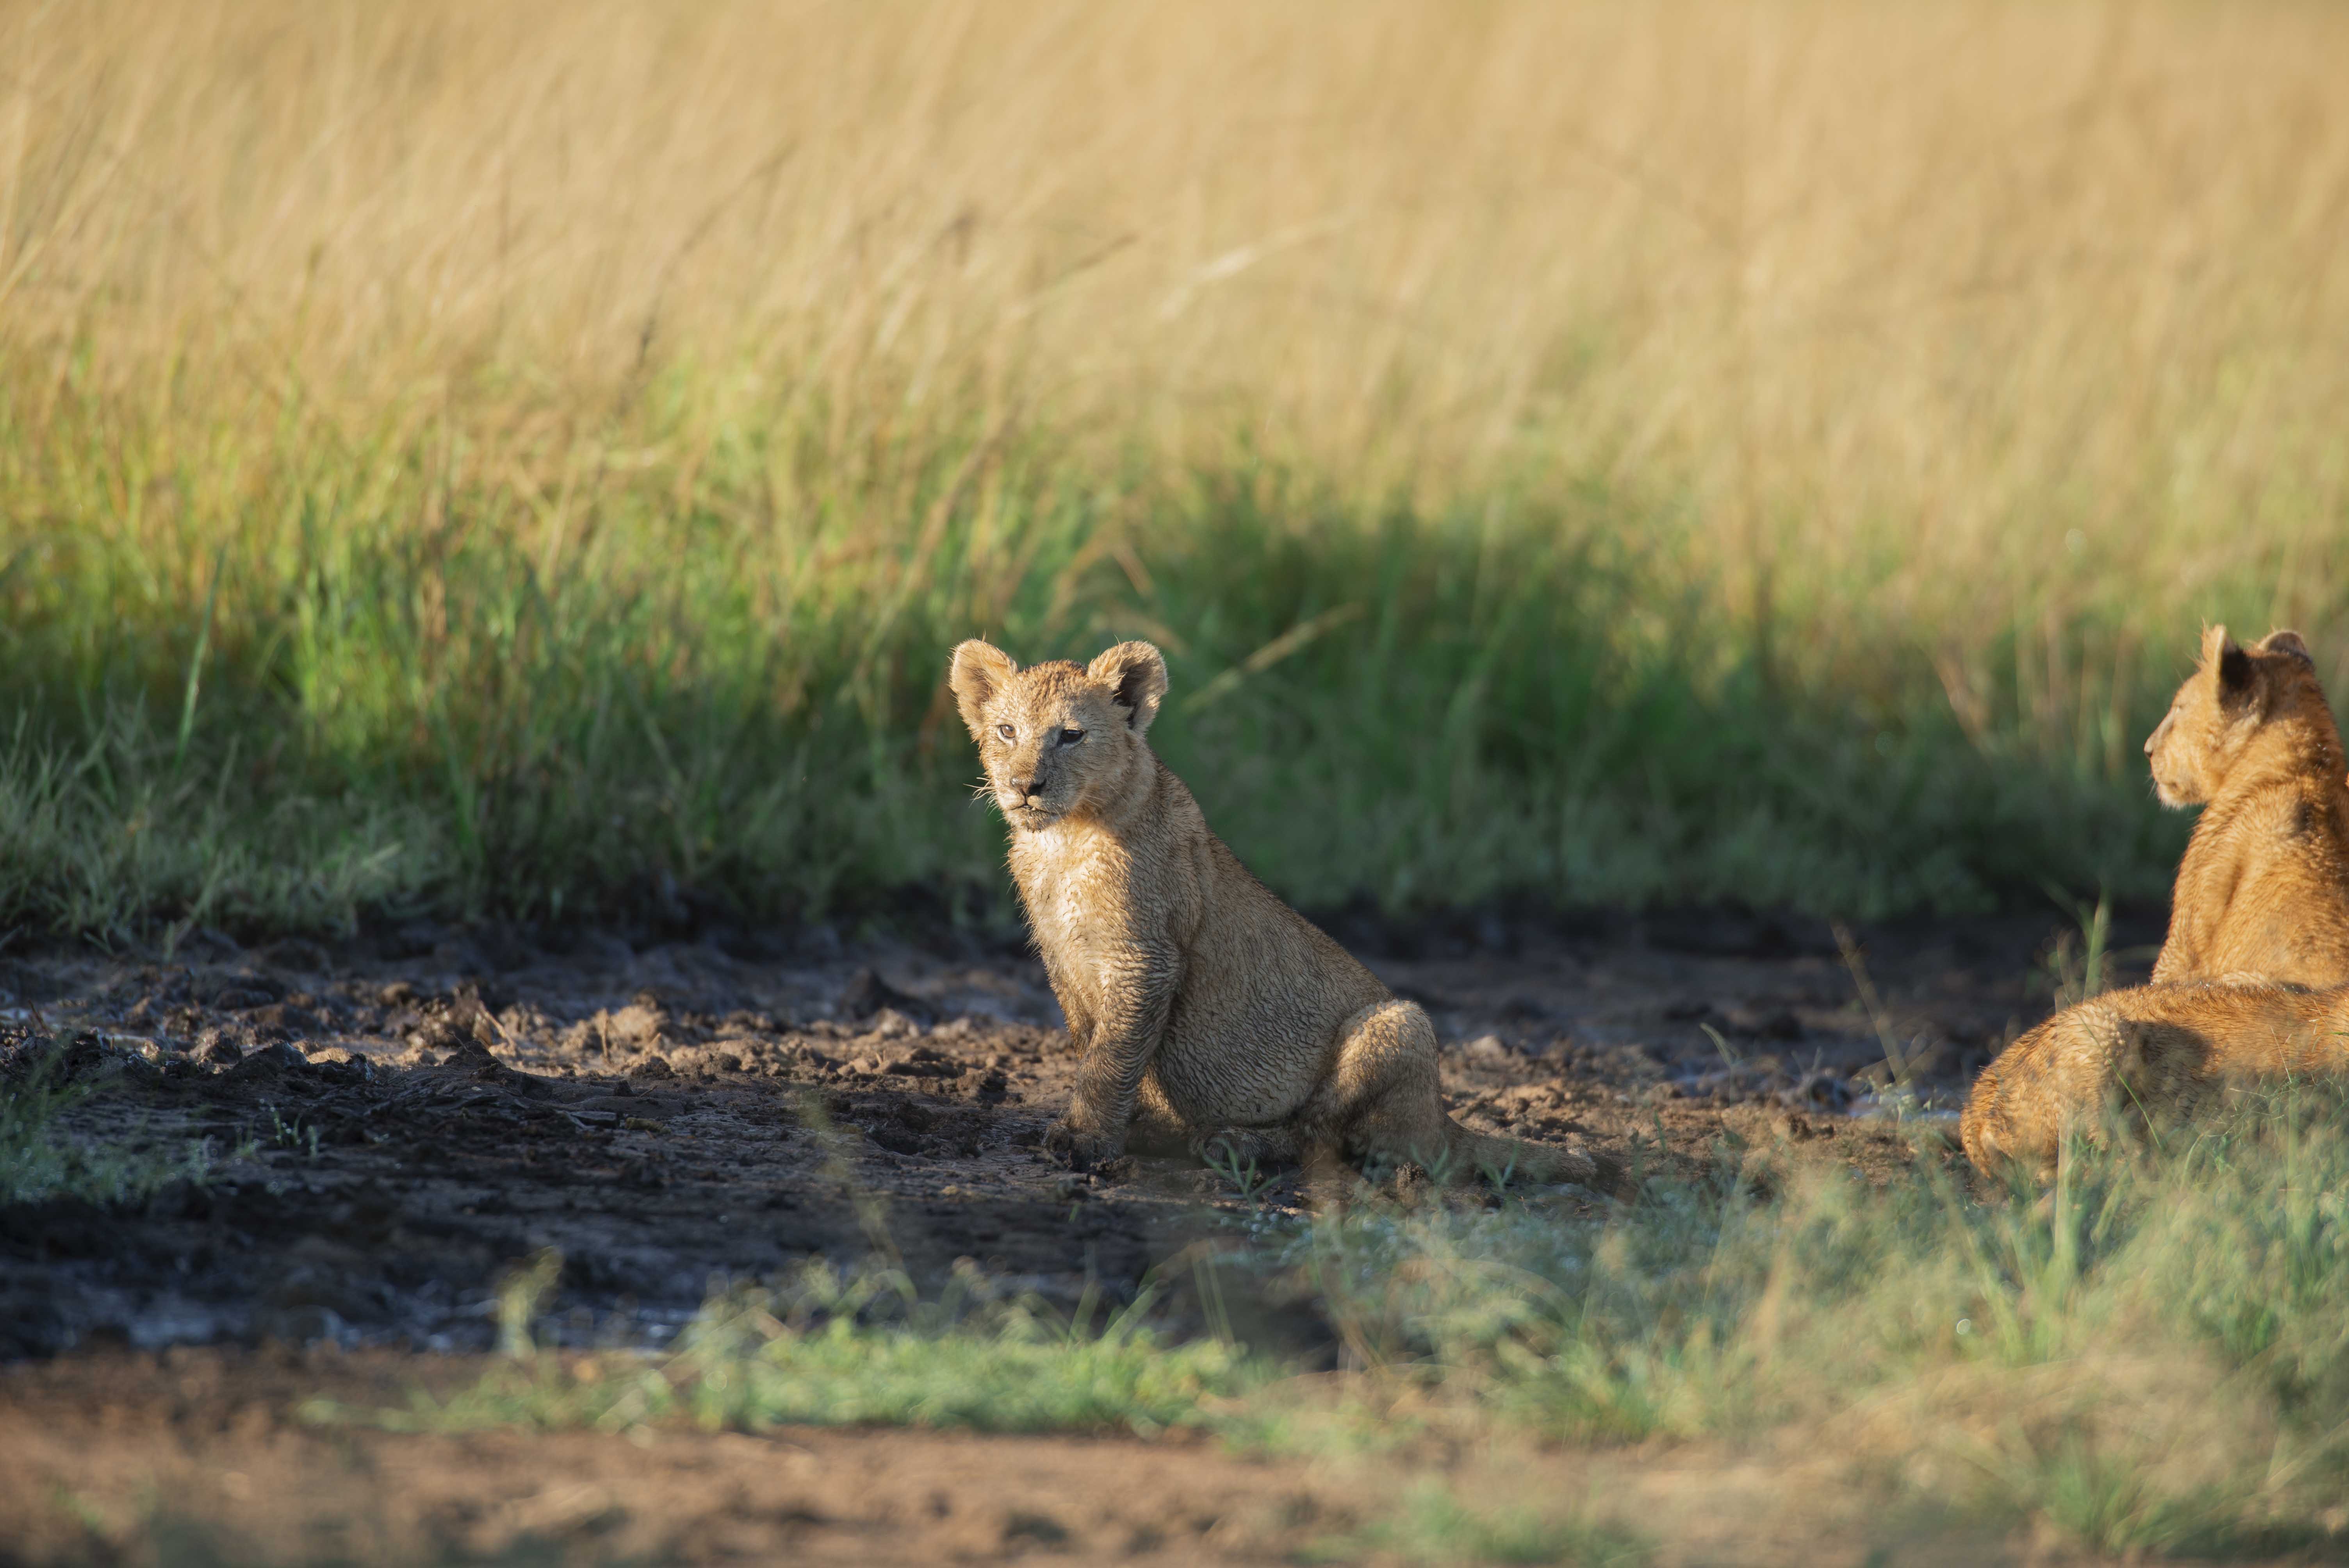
(1199, 1000)
(2154, 1054)
(2264, 885)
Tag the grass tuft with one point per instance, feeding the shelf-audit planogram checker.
(2153, 1356)
(864, 1348)
(1433, 1526)
(48, 1152)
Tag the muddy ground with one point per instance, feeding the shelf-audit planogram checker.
(400, 1121)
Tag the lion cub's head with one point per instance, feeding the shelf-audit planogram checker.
(2232, 696)
(1057, 738)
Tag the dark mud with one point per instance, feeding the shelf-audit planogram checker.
(394, 1125)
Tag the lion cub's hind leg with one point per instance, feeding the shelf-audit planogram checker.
(2075, 1080)
(2085, 1074)
(1383, 1094)
(2161, 1078)
(2111, 1073)
(1383, 1104)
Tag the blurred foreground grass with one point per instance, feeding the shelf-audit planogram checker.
(533, 461)
(2152, 1358)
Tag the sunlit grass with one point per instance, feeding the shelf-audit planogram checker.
(516, 459)
(833, 1350)
(1433, 1526)
(2153, 1356)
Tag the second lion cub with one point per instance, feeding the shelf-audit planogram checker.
(2264, 886)
(1199, 1000)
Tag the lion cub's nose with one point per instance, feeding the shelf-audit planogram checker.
(1023, 787)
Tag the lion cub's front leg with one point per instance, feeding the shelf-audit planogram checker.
(1133, 991)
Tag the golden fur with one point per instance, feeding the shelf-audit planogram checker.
(2151, 1056)
(2264, 885)
(1200, 1002)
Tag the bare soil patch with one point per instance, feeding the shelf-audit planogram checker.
(420, 1115)
(417, 1122)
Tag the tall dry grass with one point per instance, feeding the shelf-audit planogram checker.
(1940, 365)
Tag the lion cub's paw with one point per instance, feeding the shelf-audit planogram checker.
(1080, 1149)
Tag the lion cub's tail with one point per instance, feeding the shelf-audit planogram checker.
(1473, 1154)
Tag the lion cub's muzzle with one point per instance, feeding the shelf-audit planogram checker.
(1023, 801)
(2173, 789)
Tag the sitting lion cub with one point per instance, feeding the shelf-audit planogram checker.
(1198, 998)
(2152, 1055)
(2264, 886)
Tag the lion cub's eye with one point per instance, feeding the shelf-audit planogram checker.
(1005, 731)
(1071, 736)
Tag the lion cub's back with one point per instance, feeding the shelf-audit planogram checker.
(1255, 959)
(2281, 873)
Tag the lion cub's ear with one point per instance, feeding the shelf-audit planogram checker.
(2229, 664)
(1135, 674)
(2287, 643)
(979, 671)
